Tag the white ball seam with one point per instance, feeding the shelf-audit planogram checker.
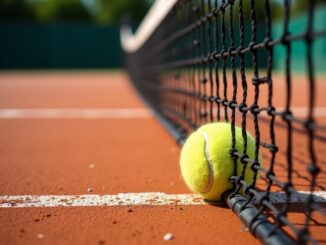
(209, 162)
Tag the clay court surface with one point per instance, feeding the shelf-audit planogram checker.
(85, 133)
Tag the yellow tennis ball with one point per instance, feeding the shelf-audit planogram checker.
(206, 163)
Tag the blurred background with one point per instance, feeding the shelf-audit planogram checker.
(64, 33)
(59, 34)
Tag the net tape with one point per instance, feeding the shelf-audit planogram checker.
(182, 71)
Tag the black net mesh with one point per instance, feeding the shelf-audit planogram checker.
(213, 61)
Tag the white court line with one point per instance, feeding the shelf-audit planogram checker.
(120, 113)
(132, 199)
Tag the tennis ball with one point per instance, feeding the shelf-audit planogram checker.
(206, 163)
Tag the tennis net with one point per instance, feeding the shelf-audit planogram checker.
(200, 61)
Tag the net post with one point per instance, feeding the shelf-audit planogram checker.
(257, 223)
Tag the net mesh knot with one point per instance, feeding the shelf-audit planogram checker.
(287, 187)
(254, 109)
(285, 38)
(232, 104)
(234, 154)
(243, 107)
(252, 47)
(287, 115)
(244, 158)
(313, 169)
(270, 110)
(240, 51)
(232, 52)
(225, 102)
(309, 124)
(224, 54)
(267, 42)
(254, 165)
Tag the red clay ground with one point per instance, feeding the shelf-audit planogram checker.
(52, 156)
(40, 156)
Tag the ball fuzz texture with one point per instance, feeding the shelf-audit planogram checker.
(206, 163)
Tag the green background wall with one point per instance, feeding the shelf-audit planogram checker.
(298, 25)
(85, 45)
(28, 45)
